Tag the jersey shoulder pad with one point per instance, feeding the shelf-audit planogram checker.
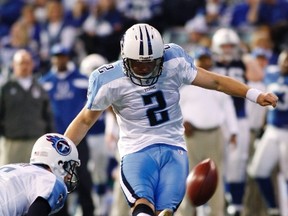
(173, 51)
(108, 72)
(172, 47)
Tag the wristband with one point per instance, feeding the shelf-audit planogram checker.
(252, 94)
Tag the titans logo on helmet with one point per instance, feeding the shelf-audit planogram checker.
(60, 145)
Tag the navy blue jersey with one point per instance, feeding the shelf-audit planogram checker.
(68, 96)
(99, 126)
(278, 84)
(235, 69)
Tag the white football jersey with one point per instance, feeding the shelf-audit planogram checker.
(146, 115)
(21, 184)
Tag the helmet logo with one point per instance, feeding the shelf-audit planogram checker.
(141, 50)
(60, 145)
(149, 42)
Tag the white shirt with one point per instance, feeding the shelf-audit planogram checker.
(206, 109)
(145, 115)
(25, 82)
(21, 184)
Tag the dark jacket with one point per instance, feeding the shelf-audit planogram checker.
(24, 114)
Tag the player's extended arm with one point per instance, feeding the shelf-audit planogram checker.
(228, 85)
(79, 127)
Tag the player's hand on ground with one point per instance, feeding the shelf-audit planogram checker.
(266, 99)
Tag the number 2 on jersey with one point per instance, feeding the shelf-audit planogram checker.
(156, 115)
(105, 68)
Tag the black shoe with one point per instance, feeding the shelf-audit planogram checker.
(237, 213)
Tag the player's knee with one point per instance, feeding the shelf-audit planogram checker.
(143, 210)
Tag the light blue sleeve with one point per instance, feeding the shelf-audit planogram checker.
(186, 70)
(102, 84)
(58, 196)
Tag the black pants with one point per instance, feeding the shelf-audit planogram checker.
(85, 186)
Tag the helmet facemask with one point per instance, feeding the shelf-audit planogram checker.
(229, 52)
(71, 179)
(67, 171)
(147, 77)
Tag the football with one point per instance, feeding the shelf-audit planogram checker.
(201, 182)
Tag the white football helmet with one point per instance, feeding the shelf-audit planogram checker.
(226, 36)
(142, 44)
(60, 154)
(91, 62)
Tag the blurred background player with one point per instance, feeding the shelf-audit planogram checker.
(55, 30)
(67, 89)
(17, 39)
(256, 114)
(197, 33)
(273, 146)
(25, 111)
(103, 29)
(226, 46)
(203, 123)
(40, 188)
(253, 204)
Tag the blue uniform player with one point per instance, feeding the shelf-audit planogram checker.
(143, 90)
(226, 46)
(273, 146)
(67, 90)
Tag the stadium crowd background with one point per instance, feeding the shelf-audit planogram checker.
(96, 26)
